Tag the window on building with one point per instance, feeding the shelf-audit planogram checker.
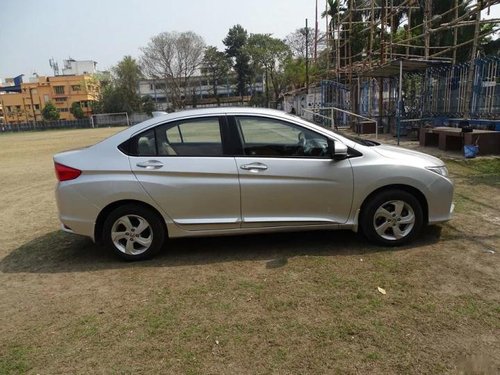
(46, 99)
(76, 88)
(9, 108)
(37, 106)
(18, 107)
(60, 100)
(158, 86)
(28, 106)
(59, 90)
(63, 109)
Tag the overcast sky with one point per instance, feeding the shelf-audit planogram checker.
(33, 31)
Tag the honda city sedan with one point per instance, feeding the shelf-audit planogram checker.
(230, 171)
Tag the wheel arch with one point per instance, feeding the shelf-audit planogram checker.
(101, 218)
(407, 188)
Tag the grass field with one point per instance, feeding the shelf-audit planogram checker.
(299, 303)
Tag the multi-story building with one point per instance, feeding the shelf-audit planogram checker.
(199, 92)
(62, 91)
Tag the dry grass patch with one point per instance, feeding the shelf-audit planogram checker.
(280, 303)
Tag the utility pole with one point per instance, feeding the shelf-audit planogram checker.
(307, 57)
(470, 76)
(316, 35)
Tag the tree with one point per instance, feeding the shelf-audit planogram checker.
(216, 66)
(296, 41)
(50, 112)
(270, 55)
(77, 111)
(175, 58)
(148, 105)
(235, 43)
(113, 100)
(127, 74)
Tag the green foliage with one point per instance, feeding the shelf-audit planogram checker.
(77, 111)
(295, 73)
(216, 67)
(270, 55)
(235, 43)
(114, 100)
(127, 74)
(148, 105)
(50, 112)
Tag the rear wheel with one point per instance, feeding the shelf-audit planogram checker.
(134, 232)
(392, 217)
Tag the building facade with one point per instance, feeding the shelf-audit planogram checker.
(79, 67)
(62, 91)
(199, 93)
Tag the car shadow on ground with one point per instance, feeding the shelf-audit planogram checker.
(61, 252)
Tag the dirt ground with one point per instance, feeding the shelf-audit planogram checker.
(297, 303)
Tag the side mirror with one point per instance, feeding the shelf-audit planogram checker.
(337, 149)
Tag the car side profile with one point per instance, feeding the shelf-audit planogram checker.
(224, 171)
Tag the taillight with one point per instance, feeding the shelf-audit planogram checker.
(65, 173)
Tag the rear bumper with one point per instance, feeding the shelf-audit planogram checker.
(73, 226)
(76, 214)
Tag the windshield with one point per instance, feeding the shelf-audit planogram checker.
(361, 141)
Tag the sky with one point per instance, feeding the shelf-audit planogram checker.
(33, 31)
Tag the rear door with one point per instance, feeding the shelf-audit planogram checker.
(182, 165)
(288, 177)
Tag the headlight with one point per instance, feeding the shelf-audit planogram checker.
(442, 170)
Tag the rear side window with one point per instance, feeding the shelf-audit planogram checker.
(193, 137)
(143, 144)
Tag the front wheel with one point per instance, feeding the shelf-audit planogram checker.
(392, 218)
(134, 232)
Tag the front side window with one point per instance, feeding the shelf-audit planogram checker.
(275, 138)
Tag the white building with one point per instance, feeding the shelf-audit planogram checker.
(200, 87)
(74, 67)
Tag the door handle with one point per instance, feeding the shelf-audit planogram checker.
(254, 167)
(150, 164)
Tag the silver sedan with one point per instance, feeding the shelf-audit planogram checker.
(227, 171)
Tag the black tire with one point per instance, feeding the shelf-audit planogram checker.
(133, 240)
(381, 212)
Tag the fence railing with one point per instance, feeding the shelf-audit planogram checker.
(329, 121)
(66, 124)
(45, 125)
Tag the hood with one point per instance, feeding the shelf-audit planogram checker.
(413, 157)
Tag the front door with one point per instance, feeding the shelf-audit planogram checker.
(287, 176)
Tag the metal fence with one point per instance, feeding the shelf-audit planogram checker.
(67, 124)
(45, 125)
